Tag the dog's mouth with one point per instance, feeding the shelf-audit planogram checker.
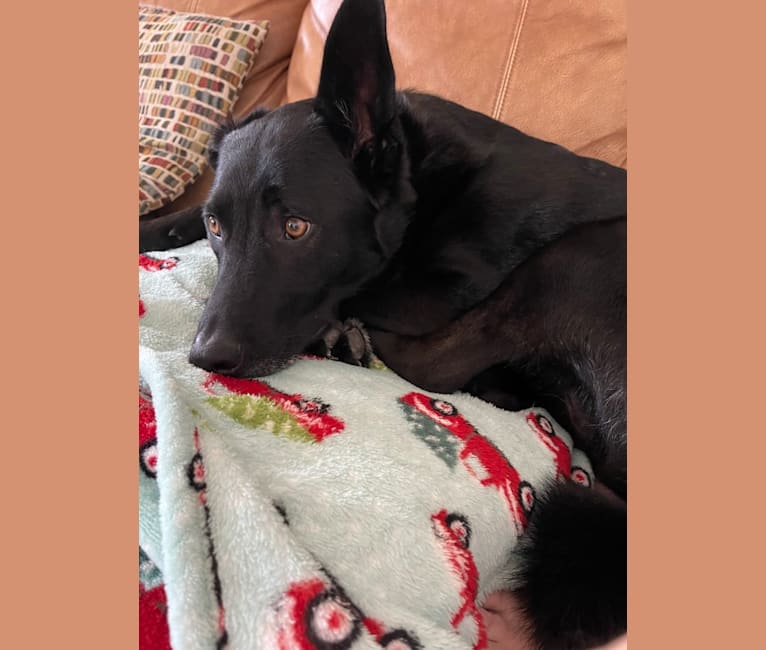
(225, 356)
(272, 365)
(260, 368)
(236, 363)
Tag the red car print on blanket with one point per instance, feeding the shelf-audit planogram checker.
(561, 453)
(195, 472)
(562, 456)
(153, 633)
(309, 416)
(581, 476)
(148, 263)
(479, 456)
(315, 615)
(454, 534)
(147, 437)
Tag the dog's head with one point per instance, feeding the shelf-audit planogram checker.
(308, 203)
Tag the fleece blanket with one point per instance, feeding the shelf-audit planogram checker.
(326, 506)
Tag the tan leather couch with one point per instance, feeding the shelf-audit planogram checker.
(554, 69)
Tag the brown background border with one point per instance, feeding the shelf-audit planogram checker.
(69, 325)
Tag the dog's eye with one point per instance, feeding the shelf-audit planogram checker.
(213, 225)
(296, 227)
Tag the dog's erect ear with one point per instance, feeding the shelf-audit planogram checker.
(356, 87)
(214, 145)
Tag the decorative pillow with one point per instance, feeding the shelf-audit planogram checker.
(191, 70)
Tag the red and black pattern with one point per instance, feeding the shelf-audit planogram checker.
(581, 476)
(153, 632)
(562, 456)
(391, 639)
(147, 437)
(316, 614)
(282, 512)
(399, 640)
(483, 460)
(454, 534)
(195, 472)
(311, 413)
(148, 263)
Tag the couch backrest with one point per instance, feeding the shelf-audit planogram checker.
(555, 69)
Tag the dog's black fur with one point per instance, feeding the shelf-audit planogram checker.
(552, 334)
(171, 230)
(479, 258)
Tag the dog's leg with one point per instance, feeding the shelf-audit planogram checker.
(444, 361)
(407, 310)
(567, 299)
(551, 304)
(171, 230)
(561, 313)
(423, 304)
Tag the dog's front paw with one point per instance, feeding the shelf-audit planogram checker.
(171, 230)
(347, 342)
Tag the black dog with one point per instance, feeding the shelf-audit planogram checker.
(479, 258)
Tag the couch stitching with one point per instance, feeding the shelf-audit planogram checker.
(510, 60)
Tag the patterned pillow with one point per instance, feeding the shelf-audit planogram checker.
(191, 70)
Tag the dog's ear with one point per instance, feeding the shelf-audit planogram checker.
(356, 95)
(229, 125)
(214, 145)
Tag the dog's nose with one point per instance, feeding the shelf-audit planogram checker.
(215, 353)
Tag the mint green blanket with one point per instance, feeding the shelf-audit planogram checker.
(326, 506)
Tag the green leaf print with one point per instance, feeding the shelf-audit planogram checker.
(261, 413)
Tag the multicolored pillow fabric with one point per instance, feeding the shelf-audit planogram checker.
(191, 70)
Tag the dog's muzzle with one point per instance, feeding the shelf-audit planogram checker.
(216, 354)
